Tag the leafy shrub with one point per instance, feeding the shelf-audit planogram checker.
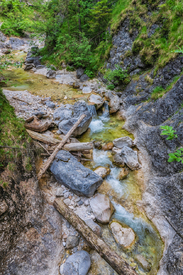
(168, 131)
(157, 92)
(110, 87)
(117, 76)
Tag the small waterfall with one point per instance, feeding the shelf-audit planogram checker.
(105, 116)
(92, 110)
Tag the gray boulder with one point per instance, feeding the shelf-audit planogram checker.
(114, 104)
(67, 115)
(77, 264)
(96, 100)
(71, 173)
(130, 158)
(84, 78)
(16, 42)
(50, 104)
(72, 241)
(79, 72)
(2, 37)
(123, 141)
(51, 74)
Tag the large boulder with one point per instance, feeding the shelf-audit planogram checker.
(67, 115)
(77, 264)
(102, 208)
(122, 235)
(123, 141)
(130, 158)
(15, 43)
(96, 100)
(114, 103)
(71, 173)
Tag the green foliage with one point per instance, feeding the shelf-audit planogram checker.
(17, 17)
(12, 132)
(110, 87)
(179, 50)
(157, 92)
(117, 76)
(168, 131)
(176, 156)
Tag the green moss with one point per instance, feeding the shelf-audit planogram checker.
(12, 133)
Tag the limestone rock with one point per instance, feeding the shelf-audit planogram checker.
(67, 115)
(84, 78)
(78, 263)
(118, 160)
(50, 104)
(130, 158)
(102, 172)
(51, 74)
(79, 72)
(3, 207)
(72, 241)
(114, 104)
(96, 100)
(123, 141)
(102, 208)
(59, 192)
(123, 236)
(142, 261)
(68, 171)
(123, 174)
(86, 90)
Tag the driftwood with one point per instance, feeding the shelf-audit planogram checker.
(36, 126)
(43, 138)
(82, 146)
(111, 257)
(16, 98)
(51, 158)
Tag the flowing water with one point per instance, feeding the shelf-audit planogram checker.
(125, 194)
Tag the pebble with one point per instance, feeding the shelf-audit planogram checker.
(80, 202)
(68, 225)
(67, 201)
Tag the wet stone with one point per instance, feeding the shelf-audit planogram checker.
(123, 236)
(78, 263)
(142, 261)
(123, 141)
(72, 241)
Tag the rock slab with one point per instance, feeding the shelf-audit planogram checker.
(123, 141)
(123, 236)
(102, 208)
(77, 264)
(130, 158)
(71, 173)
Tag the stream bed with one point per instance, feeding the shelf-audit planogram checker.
(125, 194)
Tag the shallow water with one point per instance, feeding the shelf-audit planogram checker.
(125, 196)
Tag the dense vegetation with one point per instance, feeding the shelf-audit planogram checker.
(79, 32)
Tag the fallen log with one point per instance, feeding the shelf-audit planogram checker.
(16, 98)
(79, 146)
(43, 138)
(62, 143)
(111, 257)
(37, 126)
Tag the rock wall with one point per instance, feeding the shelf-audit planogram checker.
(163, 192)
(30, 228)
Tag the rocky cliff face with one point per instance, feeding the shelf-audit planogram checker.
(30, 228)
(144, 116)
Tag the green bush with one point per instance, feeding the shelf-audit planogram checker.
(116, 77)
